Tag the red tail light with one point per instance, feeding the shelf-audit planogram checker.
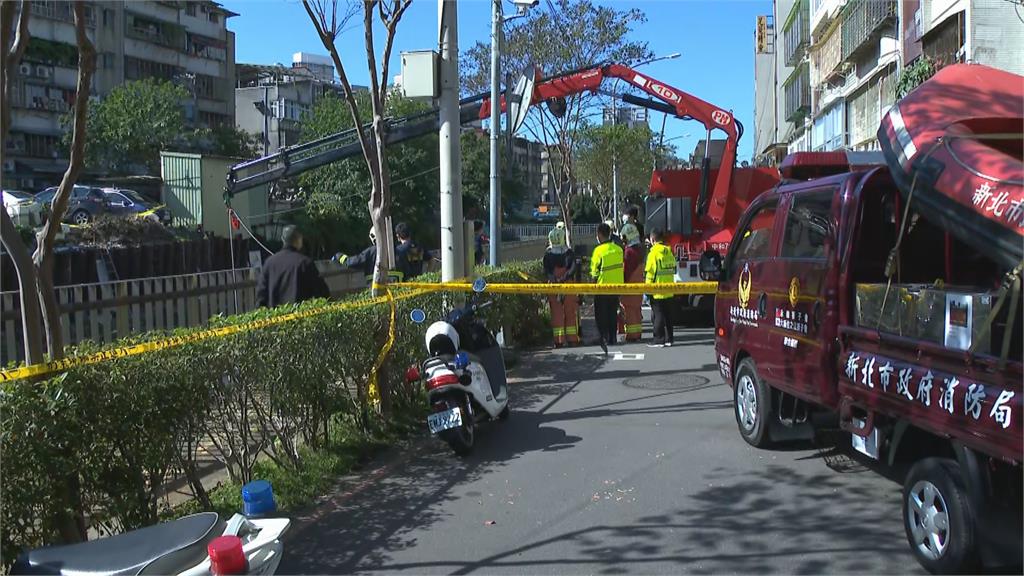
(412, 374)
(721, 332)
(226, 556)
(442, 380)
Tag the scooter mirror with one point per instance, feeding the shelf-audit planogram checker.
(417, 316)
(479, 285)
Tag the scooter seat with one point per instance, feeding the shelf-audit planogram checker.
(165, 548)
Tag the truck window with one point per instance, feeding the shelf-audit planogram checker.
(756, 237)
(808, 225)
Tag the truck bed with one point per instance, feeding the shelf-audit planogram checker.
(947, 392)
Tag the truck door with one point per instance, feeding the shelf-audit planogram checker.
(803, 309)
(744, 310)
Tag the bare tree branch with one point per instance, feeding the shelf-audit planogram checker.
(43, 256)
(14, 49)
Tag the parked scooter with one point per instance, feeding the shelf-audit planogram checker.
(464, 374)
(197, 545)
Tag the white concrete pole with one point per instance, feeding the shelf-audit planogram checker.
(452, 244)
(495, 205)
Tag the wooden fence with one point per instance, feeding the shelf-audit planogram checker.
(104, 312)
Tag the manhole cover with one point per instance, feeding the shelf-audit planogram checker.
(667, 382)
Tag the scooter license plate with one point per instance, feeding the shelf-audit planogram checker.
(441, 421)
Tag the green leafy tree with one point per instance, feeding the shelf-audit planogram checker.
(138, 119)
(605, 150)
(335, 217)
(476, 177)
(575, 35)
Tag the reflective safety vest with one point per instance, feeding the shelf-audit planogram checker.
(606, 263)
(660, 268)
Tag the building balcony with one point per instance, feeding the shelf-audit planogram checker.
(155, 31)
(62, 11)
(796, 33)
(797, 92)
(861, 20)
(826, 56)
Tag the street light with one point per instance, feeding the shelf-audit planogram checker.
(497, 20)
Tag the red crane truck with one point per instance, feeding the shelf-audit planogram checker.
(873, 296)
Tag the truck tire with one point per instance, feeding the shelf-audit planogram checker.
(752, 402)
(937, 517)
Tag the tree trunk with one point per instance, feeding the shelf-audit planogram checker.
(43, 256)
(31, 318)
(14, 47)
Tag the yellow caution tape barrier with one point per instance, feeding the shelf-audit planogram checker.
(632, 289)
(172, 342)
(411, 290)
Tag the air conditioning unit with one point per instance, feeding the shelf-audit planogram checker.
(8, 165)
(42, 72)
(25, 69)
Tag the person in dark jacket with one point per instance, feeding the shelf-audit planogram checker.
(408, 256)
(289, 277)
(364, 261)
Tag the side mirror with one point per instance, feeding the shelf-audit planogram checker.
(479, 285)
(417, 316)
(710, 265)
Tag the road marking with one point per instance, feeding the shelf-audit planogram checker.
(621, 356)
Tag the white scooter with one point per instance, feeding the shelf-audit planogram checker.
(197, 545)
(464, 375)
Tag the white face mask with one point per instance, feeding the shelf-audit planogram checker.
(625, 218)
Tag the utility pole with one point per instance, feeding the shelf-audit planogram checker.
(495, 204)
(452, 244)
(615, 162)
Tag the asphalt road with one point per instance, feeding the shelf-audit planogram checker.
(610, 466)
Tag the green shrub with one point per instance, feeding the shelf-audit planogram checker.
(287, 401)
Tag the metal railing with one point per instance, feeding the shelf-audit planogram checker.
(860, 20)
(532, 231)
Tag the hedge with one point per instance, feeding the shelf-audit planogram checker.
(97, 443)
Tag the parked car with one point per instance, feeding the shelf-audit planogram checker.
(86, 203)
(23, 208)
(129, 202)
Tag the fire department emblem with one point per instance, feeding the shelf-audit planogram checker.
(743, 287)
(794, 291)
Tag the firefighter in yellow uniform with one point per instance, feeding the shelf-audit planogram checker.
(632, 318)
(560, 267)
(660, 269)
(606, 264)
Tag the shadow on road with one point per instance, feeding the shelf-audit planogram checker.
(829, 526)
(816, 522)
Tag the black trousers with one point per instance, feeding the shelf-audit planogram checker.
(606, 311)
(662, 310)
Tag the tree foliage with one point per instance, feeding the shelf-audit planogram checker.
(914, 75)
(605, 150)
(576, 35)
(138, 119)
(476, 177)
(335, 217)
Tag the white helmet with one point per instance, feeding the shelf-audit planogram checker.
(442, 338)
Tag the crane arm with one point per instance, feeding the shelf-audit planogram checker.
(665, 98)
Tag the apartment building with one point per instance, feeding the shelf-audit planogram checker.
(184, 42)
(844, 58)
(271, 100)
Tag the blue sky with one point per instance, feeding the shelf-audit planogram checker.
(715, 38)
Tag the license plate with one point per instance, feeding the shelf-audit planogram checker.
(867, 446)
(441, 421)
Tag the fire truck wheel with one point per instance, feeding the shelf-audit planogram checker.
(752, 399)
(937, 517)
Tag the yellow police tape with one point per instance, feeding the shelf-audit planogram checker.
(410, 290)
(66, 363)
(633, 289)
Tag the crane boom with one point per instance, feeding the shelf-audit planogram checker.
(294, 160)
